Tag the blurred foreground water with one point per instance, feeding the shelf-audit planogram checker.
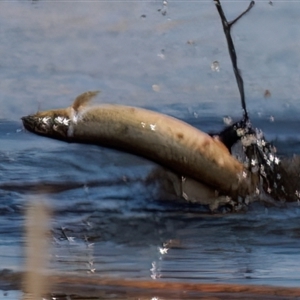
(107, 218)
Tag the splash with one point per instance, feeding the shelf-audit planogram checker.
(263, 166)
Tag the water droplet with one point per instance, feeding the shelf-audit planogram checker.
(190, 42)
(163, 10)
(254, 162)
(163, 250)
(267, 94)
(161, 54)
(227, 120)
(215, 66)
(156, 88)
(152, 127)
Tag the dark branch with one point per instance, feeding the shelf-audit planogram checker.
(227, 26)
(243, 13)
(262, 163)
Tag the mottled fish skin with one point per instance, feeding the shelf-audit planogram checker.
(158, 137)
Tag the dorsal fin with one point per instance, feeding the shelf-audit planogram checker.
(84, 99)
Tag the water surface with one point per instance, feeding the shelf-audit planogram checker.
(106, 214)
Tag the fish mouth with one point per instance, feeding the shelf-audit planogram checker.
(38, 125)
(55, 127)
(29, 122)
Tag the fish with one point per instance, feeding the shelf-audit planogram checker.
(163, 139)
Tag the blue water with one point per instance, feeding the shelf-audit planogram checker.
(53, 51)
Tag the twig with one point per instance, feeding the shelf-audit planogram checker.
(227, 27)
(262, 162)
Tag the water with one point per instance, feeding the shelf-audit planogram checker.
(117, 221)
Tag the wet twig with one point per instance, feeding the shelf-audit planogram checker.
(261, 160)
(227, 27)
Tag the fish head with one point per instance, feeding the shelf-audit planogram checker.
(52, 123)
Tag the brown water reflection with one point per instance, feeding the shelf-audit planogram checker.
(92, 287)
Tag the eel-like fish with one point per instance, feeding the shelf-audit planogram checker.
(163, 139)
